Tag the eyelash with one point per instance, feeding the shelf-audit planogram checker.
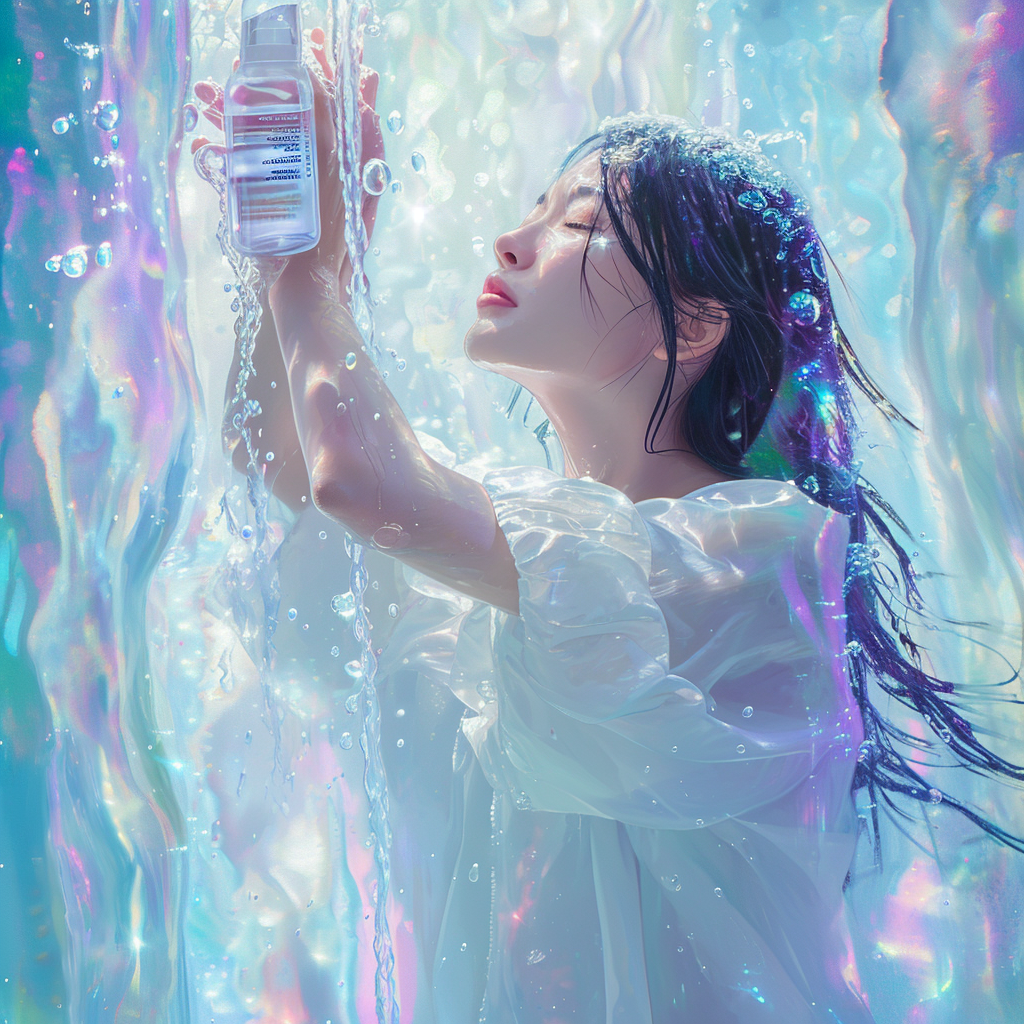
(576, 224)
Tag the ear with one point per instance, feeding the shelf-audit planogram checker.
(701, 325)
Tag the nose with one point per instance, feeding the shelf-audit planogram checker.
(513, 249)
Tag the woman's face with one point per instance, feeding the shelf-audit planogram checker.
(557, 333)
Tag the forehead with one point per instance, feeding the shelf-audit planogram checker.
(585, 172)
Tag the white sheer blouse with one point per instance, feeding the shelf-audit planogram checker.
(647, 817)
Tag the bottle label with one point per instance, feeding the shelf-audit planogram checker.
(272, 158)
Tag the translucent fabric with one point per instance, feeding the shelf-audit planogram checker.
(647, 816)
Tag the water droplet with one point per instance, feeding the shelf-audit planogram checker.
(269, 456)
(241, 783)
(463, 947)
(191, 117)
(393, 610)
(400, 365)
(946, 735)
(478, 245)
(699, 822)
(400, 743)
(675, 748)
(75, 262)
(105, 115)
(747, 102)
(752, 200)
(60, 126)
(350, 361)
(935, 796)
(749, 49)
(376, 177)
(395, 123)
(354, 668)
(396, 187)
(292, 612)
(718, 891)
(748, 711)
(345, 742)
(740, 749)
(103, 254)
(53, 264)
(118, 392)
(114, 141)
(418, 161)
(474, 872)
(864, 751)
(323, 535)
(481, 179)
(535, 956)
(805, 307)
(246, 532)
(344, 605)
(853, 648)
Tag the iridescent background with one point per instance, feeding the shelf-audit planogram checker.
(183, 834)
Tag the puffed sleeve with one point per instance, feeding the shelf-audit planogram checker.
(716, 697)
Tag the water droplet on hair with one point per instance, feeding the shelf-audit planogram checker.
(376, 177)
(418, 161)
(853, 649)
(345, 741)
(748, 711)
(935, 796)
(752, 199)
(395, 123)
(865, 751)
(60, 126)
(946, 734)
(805, 307)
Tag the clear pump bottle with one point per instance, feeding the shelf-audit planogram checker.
(272, 202)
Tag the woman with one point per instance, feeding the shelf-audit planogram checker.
(655, 667)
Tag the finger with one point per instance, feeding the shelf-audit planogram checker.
(369, 80)
(321, 55)
(206, 92)
(214, 116)
(234, 66)
(199, 142)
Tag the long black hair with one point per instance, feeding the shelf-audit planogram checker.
(703, 215)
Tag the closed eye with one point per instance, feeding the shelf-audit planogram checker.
(577, 224)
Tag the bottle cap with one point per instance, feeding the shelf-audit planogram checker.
(270, 32)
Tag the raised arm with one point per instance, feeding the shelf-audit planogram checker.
(366, 468)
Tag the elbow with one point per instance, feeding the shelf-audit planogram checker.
(328, 496)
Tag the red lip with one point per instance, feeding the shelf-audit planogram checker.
(495, 293)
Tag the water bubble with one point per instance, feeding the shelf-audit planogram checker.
(344, 605)
(718, 891)
(813, 255)
(191, 117)
(241, 783)
(53, 264)
(269, 456)
(103, 254)
(352, 703)
(246, 532)
(105, 115)
(418, 161)
(345, 742)
(474, 872)
(749, 49)
(335, 652)
(945, 734)
(481, 179)
(235, 306)
(805, 307)
(853, 649)
(748, 711)
(209, 162)
(400, 365)
(400, 743)
(478, 245)
(699, 822)
(115, 141)
(747, 102)
(75, 262)
(376, 177)
(740, 748)
(396, 187)
(248, 737)
(393, 610)
(395, 123)
(60, 126)
(252, 408)
(292, 613)
(752, 200)
(935, 796)
(535, 956)
(323, 535)
(118, 392)
(350, 361)
(354, 668)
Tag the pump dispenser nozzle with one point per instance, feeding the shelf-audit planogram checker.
(270, 32)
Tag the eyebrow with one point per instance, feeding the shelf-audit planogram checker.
(576, 190)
